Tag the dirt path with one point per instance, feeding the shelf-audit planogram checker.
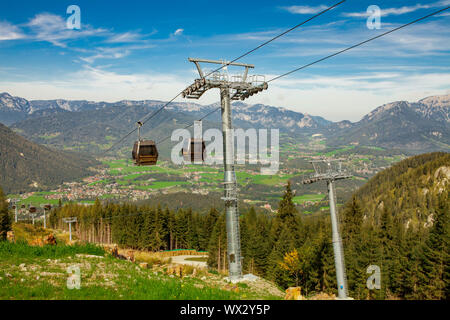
(182, 260)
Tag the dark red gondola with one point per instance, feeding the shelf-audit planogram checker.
(32, 210)
(48, 207)
(196, 151)
(144, 152)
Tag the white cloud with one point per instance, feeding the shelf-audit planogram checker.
(305, 9)
(129, 37)
(178, 32)
(100, 85)
(400, 10)
(350, 98)
(332, 97)
(10, 32)
(388, 11)
(52, 28)
(113, 53)
(125, 37)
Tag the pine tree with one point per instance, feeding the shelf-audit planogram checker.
(287, 211)
(217, 249)
(284, 244)
(387, 250)
(286, 217)
(353, 219)
(5, 219)
(435, 255)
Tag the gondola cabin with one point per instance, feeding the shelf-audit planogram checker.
(145, 153)
(32, 210)
(196, 151)
(47, 207)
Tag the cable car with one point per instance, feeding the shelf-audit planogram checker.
(22, 206)
(144, 152)
(190, 154)
(48, 207)
(32, 210)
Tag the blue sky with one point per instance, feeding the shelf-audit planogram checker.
(138, 50)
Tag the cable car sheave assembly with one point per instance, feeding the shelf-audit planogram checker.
(244, 86)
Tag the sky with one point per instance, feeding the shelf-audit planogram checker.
(138, 50)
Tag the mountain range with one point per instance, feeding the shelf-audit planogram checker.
(85, 125)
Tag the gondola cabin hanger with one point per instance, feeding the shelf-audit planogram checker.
(144, 152)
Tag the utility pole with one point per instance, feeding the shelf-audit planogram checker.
(325, 171)
(238, 87)
(70, 221)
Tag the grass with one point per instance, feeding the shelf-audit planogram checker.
(38, 199)
(337, 151)
(162, 185)
(35, 273)
(22, 250)
(199, 259)
(308, 197)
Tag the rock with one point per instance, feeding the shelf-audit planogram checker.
(130, 256)
(88, 256)
(8, 275)
(232, 288)
(250, 277)
(37, 242)
(143, 265)
(323, 296)
(294, 293)
(10, 236)
(175, 271)
(37, 277)
(50, 240)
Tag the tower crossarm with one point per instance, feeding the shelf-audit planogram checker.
(242, 86)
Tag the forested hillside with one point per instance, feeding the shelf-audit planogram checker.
(292, 249)
(409, 189)
(28, 166)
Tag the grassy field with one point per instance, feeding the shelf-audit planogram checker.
(308, 197)
(28, 272)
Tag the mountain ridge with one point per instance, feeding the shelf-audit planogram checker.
(25, 165)
(420, 126)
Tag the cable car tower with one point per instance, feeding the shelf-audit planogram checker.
(238, 87)
(331, 171)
